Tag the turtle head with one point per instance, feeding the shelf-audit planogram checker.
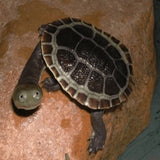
(27, 96)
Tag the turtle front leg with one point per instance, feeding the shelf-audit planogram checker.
(51, 84)
(27, 94)
(98, 137)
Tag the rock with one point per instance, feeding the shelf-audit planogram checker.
(59, 126)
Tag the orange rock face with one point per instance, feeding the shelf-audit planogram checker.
(60, 126)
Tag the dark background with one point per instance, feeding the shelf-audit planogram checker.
(147, 145)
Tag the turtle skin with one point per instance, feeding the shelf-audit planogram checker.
(90, 65)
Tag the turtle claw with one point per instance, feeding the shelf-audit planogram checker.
(96, 143)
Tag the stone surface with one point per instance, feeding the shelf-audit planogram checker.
(146, 146)
(60, 126)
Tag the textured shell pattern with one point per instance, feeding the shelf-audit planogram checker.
(92, 66)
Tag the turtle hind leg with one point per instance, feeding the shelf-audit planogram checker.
(51, 84)
(98, 136)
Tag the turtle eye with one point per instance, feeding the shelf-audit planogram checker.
(36, 95)
(22, 97)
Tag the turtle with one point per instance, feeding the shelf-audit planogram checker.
(91, 66)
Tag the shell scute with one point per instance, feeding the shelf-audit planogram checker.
(95, 82)
(111, 87)
(104, 62)
(94, 103)
(121, 67)
(51, 29)
(66, 59)
(83, 30)
(57, 23)
(71, 91)
(46, 38)
(128, 91)
(121, 80)
(129, 58)
(68, 38)
(115, 102)
(123, 47)
(81, 98)
(104, 103)
(48, 60)
(63, 83)
(99, 30)
(67, 20)
(80, 74)
(55, 72)
(84, 49)
(76, 20)
(100, 60)
(115, 40)
(100, 40)
(47, 49)
(131, 69)
(113, 52)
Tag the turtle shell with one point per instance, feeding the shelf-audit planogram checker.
(92, 66)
